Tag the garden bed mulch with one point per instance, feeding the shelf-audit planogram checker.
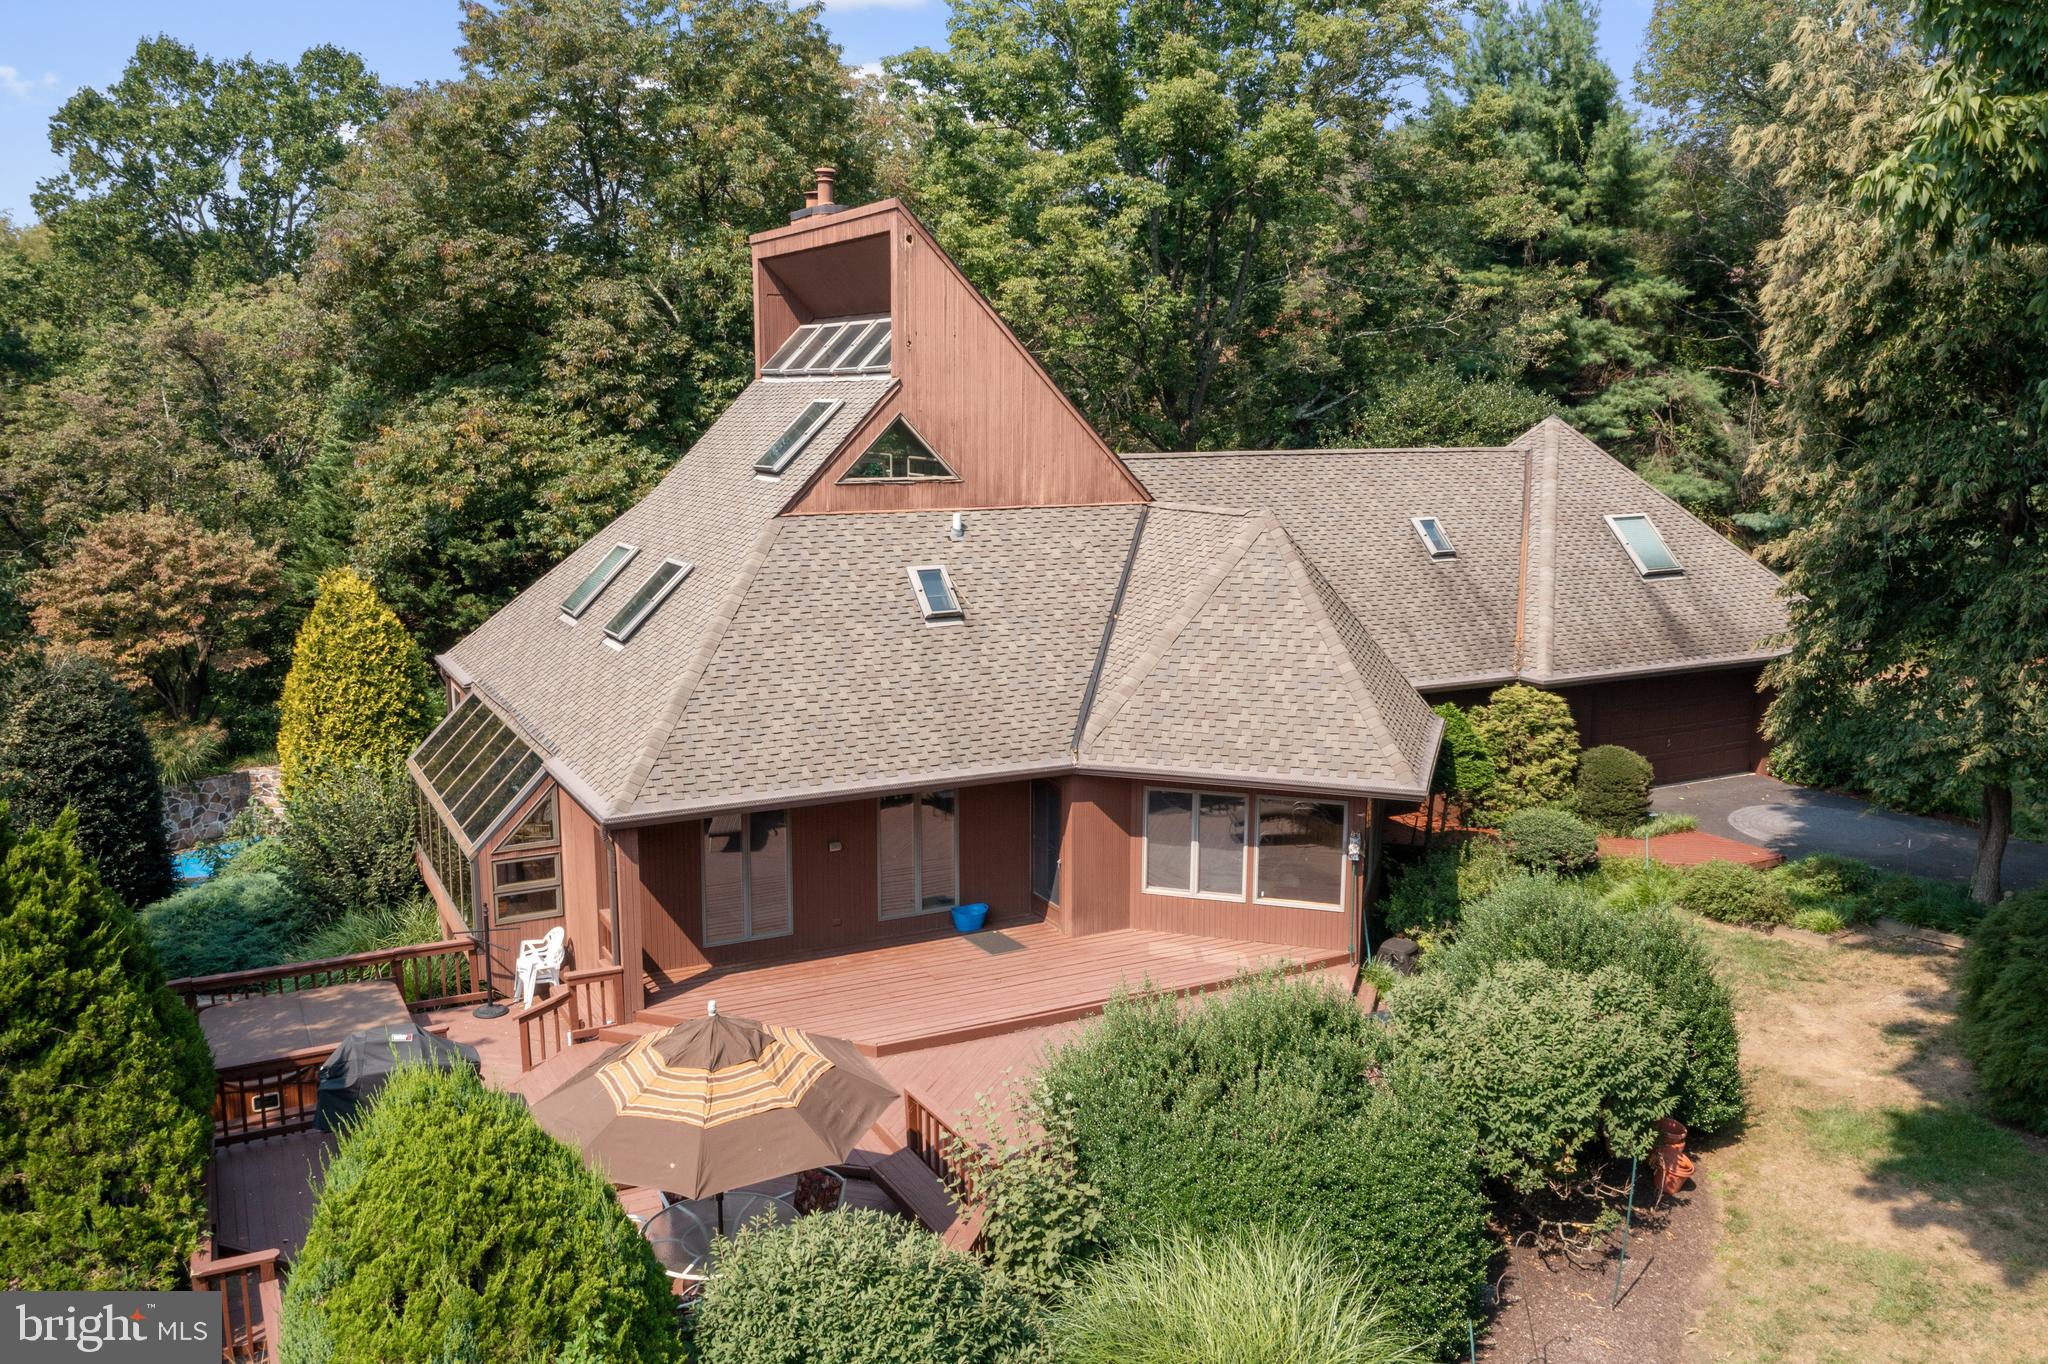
(1691, 847)
(1556, 1312)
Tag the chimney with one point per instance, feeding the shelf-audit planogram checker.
(819, 199)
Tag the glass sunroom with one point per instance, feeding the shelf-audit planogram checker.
(471, 776)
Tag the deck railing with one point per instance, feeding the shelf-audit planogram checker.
(933, 1141)
(267, 1098)
(600, 994)
(431, 975)
(546, 1028)
(251, 1301)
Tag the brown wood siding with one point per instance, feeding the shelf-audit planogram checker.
(670, 880)
(1243, 918)
(1095, 862)
(969, 387)
(1689, 725)
(586, 884)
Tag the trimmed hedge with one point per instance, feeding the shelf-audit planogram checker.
(231, 923)
(1730, 893)
(854, 1286)
(1614, 788)
(1546, 1061)
(70, 738)
(2004, 1009)
(359, 690)
(1539, 918)
(449, 1226)
(1535, 746)
(1551, 840)
(1257, 1296)
(1272, 1106)
(106, 1086)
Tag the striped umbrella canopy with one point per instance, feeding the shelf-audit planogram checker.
(717, 1103)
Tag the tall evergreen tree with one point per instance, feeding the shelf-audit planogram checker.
(359, 690)
(106, 1087)
(70, 739)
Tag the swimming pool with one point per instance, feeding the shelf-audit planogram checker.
(197, 864)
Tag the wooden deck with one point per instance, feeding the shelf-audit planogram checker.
(941, 991)
(262, 1191)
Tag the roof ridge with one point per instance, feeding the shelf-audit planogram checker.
(1116, 607)
(671, 715)
(1326, 601)
(1542, 548)
(1148, 658)
(1321, 450)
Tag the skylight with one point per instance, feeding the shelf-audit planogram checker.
(1646, 548)
(796, 436)
(935, 596)
(898, 453)
(1434, 538)
(475, 767)
(641, 604)
(840, 345)
(616, 558)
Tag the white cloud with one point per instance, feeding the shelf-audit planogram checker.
(13, 83)
(842, 6)
(868, 71)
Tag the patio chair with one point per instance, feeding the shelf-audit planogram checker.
(540, 962)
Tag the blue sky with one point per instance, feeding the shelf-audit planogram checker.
(47, 50)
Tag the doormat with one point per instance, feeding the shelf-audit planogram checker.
(995, 942)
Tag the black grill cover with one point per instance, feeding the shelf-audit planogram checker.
(365, 1060)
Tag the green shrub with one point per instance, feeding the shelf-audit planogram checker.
(1041, 1222)
(359, 690)
(1924, 904)
(1614, 788)
(1656, 826)
(1825, 876)
(857, 1287)
(106, 1086)
(1626, 883)
(1464, 765)
(1731, 893)
(449, 1226)
(1535, 746)
(1257, 1296)
(1539, 918)
(1270, 1106)
(1546, 1061)
(231, 923)
(347, 838)
(1550, 840)
(186, 753)
(1818, 921)
(1426, 896)
(70, 738)
(2004, 1009)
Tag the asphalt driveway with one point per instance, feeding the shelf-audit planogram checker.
(1796, 821)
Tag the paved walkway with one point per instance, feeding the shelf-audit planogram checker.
(1796, 821)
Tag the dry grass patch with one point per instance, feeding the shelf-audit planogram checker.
(1869, 1211)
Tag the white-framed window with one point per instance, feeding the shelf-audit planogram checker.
(1645, 545)
(746, 877)
(1302, 852)
(917, 847)
(936, 599)
(787, 446)
(1435, 538)
(598, 579)
(1194, 843)
(664, 580)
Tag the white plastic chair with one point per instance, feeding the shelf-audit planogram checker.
(540, 962)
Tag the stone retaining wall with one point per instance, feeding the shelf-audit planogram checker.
(198, 812)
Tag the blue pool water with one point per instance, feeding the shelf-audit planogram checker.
(197, 864)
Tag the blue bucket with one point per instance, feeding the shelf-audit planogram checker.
(970, 918)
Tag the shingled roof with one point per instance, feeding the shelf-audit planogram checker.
(1540, 589)
(794, 664)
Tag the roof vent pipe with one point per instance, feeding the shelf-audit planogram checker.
(959, 531)
(818, 199)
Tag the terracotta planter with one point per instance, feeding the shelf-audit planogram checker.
(1674, 1166)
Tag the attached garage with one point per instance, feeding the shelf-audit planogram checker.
(1689, 725)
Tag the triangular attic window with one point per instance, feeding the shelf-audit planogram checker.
(898, 453)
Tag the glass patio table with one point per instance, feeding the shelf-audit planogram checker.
(683, 1234)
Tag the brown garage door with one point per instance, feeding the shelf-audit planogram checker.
(1689, 725)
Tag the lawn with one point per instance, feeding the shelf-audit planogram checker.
(1869, 1212)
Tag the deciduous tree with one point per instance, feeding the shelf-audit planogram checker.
(165, 603)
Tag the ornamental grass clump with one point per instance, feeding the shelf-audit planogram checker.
(854, 1286)
(1276, 1105)
(450, 1226)
(1255, 1297)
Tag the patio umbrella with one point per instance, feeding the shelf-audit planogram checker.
(716, 1104)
